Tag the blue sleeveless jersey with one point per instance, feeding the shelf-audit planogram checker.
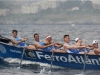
(41, 43)
(77, 51)
(74, 51)
(48, 49)
(18, 40)
(82, 50)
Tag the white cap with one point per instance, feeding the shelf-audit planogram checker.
(76, 39)
(94, 41)
(47, 37)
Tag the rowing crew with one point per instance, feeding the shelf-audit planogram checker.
(49, 45)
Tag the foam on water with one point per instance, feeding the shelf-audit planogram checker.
(80, 74)
(16, 60)
(15, 71)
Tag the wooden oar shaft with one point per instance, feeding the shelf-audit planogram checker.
(52, 58)
(84, 61)
(22, 55)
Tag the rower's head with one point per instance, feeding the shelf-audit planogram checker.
(48, 38)
(66, 38)
(14, 33)
(95, 43)
(78, 40)
(36, 37)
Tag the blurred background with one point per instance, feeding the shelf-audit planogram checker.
(34, 12)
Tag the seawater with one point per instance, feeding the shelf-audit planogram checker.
(10, 66)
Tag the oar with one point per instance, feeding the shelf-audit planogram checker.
(84, 61)
(22, 55)
(52, 58)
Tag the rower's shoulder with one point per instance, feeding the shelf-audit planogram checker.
(66, 44)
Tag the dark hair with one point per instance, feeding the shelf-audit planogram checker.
(14, 31)
(36, 34)
(66, 36)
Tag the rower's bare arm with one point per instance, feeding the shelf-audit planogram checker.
(97, 51)
(58, 45)
(90, 47)
(23, 39)
(15, 42)
(40, 46)
(74, 47)
(69, 47)
(78, 47)
(31, 47)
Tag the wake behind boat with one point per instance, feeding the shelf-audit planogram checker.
(67, 60)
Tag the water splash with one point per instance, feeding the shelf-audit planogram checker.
(81, 74)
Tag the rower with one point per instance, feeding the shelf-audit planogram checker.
(96, 48)
(54, 46)
(16, 40)
(38, 45)
(35, 42)
(78, 42)
(71, 48)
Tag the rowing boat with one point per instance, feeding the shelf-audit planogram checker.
(67, 60)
